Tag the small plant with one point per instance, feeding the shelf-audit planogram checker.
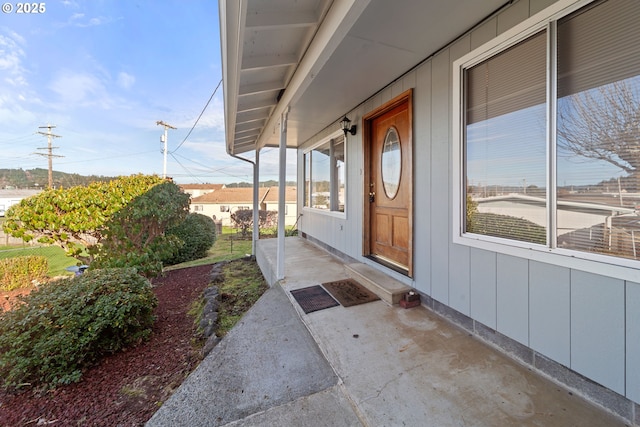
(243, 219)
(63, 327)
(20, 272)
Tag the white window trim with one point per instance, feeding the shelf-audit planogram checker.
(309, 149)
(620, 268)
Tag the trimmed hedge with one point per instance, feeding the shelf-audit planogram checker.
(506, 226)
(20, 272)
(66, 326)
(197, 233)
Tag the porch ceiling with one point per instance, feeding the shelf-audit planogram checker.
(321, 58)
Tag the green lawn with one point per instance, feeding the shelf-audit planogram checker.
(227, 247)
(58, 261)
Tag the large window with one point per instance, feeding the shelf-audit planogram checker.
(550, 151)
(325, 175)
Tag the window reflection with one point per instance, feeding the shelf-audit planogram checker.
(597, 136)
(505, 144)
(391, 163)
(598, 152)
(325, 176)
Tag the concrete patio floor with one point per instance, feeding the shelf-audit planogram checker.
(412, 367)
(371, 365)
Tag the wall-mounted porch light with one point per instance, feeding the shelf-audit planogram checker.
(346, 126)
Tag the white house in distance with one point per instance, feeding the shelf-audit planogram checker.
(444, 98)
(9, 198)
(225, 201)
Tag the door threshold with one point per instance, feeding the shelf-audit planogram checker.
(398, 268)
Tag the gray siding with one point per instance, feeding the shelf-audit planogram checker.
(422, 158)
(512, 298)
(483, 289)
(632, 336)
(550, 311)
(597, 328)
(583, 321)
(440, 227)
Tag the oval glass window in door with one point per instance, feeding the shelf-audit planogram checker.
(391, 163)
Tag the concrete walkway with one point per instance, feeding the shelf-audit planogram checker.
(370, 365)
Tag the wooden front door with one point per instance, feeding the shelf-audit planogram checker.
(389, 184)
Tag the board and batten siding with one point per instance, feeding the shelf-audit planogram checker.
(587, 322)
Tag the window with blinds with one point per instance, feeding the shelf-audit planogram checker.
(599, 129)
(561, 111)
(505, 145)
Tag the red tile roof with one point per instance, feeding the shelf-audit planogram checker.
(244, 195)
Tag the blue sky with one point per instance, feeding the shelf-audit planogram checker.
(104, 72)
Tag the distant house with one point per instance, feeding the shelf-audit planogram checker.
(9, 198)
(225, 201)
(197, 190)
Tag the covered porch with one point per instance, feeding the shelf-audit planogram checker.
(418, 366)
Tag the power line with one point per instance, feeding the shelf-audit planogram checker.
(108, 158)
(185, 169)
(198, 119)
(18, 139)
(210, 169)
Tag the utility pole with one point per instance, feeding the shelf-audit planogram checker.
(49, 149)
(163, 139)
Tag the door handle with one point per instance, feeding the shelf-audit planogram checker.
(372, 197)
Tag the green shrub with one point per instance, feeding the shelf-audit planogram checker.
(21, 271)
(197, 233)
(508, 227)
(63, 327)
(135, 236)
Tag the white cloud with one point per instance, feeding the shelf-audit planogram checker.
(213, 117)
(11, 56)
(80, 20)
(95, 21)
(79, 89)
(85, 89)
(211, 149)
(125, 80)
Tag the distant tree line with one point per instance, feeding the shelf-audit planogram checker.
(39, 178)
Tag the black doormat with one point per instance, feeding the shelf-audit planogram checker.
(313, 298)
(349, 292)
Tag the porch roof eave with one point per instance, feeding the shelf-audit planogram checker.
(321, 58)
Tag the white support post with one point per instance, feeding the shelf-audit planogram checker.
(256, 201)
(282, 185)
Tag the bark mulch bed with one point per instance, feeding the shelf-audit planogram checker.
(125, 389)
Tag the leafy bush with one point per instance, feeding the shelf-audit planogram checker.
(19, 272)
(65, 326)
(75, 218)
(135, 236)
(197, 233)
